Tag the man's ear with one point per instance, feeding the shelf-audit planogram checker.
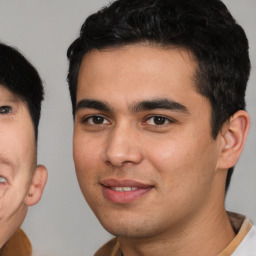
(37, 186)
(233, 137)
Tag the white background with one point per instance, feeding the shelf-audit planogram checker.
(62, 224)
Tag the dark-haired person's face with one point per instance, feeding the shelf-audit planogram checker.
(17, 161)
(144, 155)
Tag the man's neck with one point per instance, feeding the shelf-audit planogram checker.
(207, 235)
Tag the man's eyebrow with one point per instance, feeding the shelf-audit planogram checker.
(158, 104)
(92, 104)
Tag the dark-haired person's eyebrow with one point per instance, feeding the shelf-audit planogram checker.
(92, 104)
(158, 104)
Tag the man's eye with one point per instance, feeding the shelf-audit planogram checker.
(5, 109)
(2, 180)
(96, 120)
(158, 120)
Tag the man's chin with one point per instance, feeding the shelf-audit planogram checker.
(129, 229)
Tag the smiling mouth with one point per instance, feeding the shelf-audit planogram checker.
(124, 191)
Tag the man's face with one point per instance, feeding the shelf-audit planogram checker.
(143, 151)
(17, 158)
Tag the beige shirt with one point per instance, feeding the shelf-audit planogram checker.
(244, 243)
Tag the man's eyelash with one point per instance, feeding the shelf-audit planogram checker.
(97, 119)
(159, 120)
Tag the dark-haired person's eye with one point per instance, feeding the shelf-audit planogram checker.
(96, 120)
(158, 120)
(5, 109)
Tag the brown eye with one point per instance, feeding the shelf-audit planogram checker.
(158, 120)
(95, 120)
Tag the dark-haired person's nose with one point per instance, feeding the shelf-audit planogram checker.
(122, 147)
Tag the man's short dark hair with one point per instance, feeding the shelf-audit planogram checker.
(203, 27)
(22, 79)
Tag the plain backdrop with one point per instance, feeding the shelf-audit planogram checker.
(62, 224)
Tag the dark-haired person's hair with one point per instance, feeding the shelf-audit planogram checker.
(203, 27)
(21, 78)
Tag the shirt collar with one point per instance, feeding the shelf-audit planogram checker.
(241, 226)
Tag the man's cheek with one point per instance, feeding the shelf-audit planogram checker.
(3, 190)
(3, 202)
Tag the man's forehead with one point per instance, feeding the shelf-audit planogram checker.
(8, 95)
(138, 72)
(139, 59)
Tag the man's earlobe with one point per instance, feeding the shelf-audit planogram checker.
(37, 186)
(233, 137)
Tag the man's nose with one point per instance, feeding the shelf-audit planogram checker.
(123, 147)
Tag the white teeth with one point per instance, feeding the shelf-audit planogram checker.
(124, 189)
(3, 180)
(127, 188)
(118, 189)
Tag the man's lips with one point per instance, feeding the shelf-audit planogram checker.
(124, 191)
(124, 183)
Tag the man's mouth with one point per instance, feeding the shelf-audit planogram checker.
(124, 191)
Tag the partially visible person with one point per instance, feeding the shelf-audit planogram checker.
(22, 181)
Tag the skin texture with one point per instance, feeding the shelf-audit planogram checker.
(174, 155)
(17, 164)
